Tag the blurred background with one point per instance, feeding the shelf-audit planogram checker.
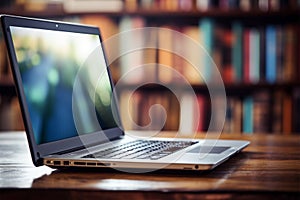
(254, 43)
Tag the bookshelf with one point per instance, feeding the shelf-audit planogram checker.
(268, 96)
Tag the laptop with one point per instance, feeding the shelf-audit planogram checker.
(71, 116)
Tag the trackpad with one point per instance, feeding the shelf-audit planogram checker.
(209, 149)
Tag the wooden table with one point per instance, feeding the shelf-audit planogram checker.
(269, 168)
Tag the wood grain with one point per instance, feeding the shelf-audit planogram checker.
(268, 168)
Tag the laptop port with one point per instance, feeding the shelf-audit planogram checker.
(56, 162)
(91, 164)
(100, 164)
(48, 161)
(103, 164)
(66, 163)
(80, 163)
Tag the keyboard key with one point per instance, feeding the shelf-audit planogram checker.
(141, 150)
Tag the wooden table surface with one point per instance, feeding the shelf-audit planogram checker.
(269, 168)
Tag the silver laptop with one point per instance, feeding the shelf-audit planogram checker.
(69, 105)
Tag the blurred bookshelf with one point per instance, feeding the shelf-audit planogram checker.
(255, 45)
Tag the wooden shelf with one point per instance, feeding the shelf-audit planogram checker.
(7, 87)
(231, 89)
(53, 11)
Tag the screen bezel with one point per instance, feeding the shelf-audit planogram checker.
(41, 150)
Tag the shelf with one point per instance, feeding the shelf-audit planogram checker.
(231, 89)
(7, 87)
(219, 14)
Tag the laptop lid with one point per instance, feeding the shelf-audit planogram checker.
(67, 99)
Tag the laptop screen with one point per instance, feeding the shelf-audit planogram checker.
(55, 71)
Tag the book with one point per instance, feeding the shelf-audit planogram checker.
(186, 5)
(261, 112)
(254, 48)
(131, 58)
(237, 51)
(245, 5)
(216, 120)
(276, 112)
(262, 54)
(150, 56)
(173, 112)
(233, 121)
(187, 114)
(129, 109)
(224, 39)
(246, 56)
(206, 27)
(271, 54)
(279, 54)
(202, 5)
(202, 114)
(287, 114)
(237, 115)
(248, 115)
(93, 5)
(289, 53)
(192, 114)
(165, 56)
(191, 71)
(229, 117)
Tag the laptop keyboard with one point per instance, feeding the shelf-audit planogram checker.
(141, 149)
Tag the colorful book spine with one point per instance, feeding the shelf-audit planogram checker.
(237, 51)
(191, 71)
(200, 124)
(289, 53)
(271, 54)
(276, 112)
(187, 113)
(207, 28)
(246, 54)
(165, 57)
(279, 55)
(254, 48)
(261, 110)
(262, 56)
(131, 59)
(248, 115)
(287, 114)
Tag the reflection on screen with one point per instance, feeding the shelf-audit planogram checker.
(49, 62)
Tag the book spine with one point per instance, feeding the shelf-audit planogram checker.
(207, 28)
(289, 54)
(131, 60)
(187, 114)
(248, 115)
(279, 55)
(261, 112)
(165, 58)
(237, 51)
(200, 124)
(262, 56)
(254, 56)
(287, 114)
(193, 71)
(277, 110)
(296, 111)
(246, 55)
(271, 54)
(227, 69)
